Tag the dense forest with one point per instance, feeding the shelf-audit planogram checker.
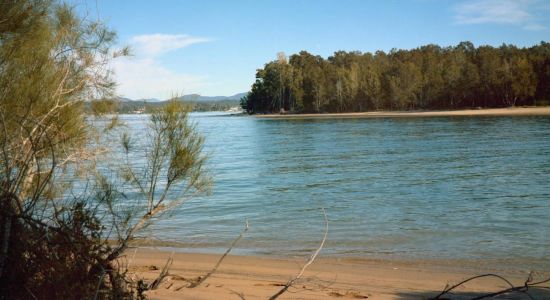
(428, 77)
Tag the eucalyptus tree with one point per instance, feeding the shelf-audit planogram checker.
(523, 79)
(539, 55)
(369, 83)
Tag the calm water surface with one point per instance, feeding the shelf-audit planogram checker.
(453, 187)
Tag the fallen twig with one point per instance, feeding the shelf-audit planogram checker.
(308, 263)
(163, 273)
(512, 289)
(203, 278)
(238, 294)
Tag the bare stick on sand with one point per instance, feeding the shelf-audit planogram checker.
(163, 273)
(202, 279)
(308, 263)
(523, 289)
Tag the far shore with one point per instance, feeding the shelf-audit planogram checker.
(251, 277)
(512, 111)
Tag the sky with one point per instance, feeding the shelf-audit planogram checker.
(215, 47)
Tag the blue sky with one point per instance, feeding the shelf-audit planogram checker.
(215, 47)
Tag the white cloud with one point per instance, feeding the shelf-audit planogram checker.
(143, 75)
(512, 12)
(147, 78)
(156, 44)
(492, 11)
(534, 27)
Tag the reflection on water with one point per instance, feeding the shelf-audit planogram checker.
(459, 187)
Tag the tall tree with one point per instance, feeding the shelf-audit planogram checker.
(59, 211)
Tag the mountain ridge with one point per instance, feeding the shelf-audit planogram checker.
(188, 97)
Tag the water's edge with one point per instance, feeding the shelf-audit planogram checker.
(467, 188)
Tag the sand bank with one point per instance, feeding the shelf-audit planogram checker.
(515, 111)
(328, 278)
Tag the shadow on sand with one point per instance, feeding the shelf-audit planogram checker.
(535, 293)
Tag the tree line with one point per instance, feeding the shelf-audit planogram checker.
(428, 77)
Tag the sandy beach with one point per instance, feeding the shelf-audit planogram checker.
(250, 277)
(513, 111)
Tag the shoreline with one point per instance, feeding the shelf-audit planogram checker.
(495, 264)
(258, 277)
(512, 111)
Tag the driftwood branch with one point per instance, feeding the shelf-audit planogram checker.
(308, 263)
(163, 273)
(523, 289)
(202, 279)
(238, 294)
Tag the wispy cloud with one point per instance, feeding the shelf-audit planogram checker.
(144, 75)
(147, 78)
(514, 12)
(534, 27)
(156, 44)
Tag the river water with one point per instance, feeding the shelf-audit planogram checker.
(474, 188)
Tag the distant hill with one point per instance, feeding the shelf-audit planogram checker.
(200, 103)
(189, 97)
(199, 98)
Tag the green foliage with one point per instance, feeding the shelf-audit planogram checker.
(50, 61)
(59, 211)
(429, 77)
(176, 142)
(103, 107)
(174, 170)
